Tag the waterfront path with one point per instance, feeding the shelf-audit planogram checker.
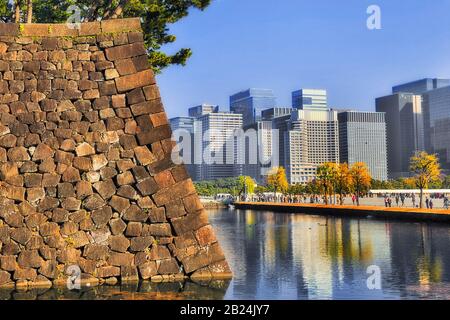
(413, 214)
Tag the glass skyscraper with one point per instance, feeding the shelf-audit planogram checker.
(421, 86)
(310, 99)
(250, 103)
(436, 105)
(405, 130)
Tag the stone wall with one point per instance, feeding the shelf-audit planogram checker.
(86, 176)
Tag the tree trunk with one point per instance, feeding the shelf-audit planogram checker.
(30, 11)
(117, 12)
(357, 196)
(421, 198)
(17, 12)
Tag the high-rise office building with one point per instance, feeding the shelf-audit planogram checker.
(308, 138)
(404, 128)
(250, 103)
(203, 109)
(272, 113)
(421, 86)
(262, 156)
(221, 158)
(310, 99)
(183, 131)
(436, 105)
(362, 138)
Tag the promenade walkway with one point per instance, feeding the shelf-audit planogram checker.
(402, 213)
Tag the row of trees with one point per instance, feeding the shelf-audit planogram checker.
(333, 179)
(342, 179)
(234, 186)
(157, 15)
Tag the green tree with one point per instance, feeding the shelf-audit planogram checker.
(426, 170)
(296, 189)
(246, 185)
(277, 181)
(156, 16)
(5, 11)
(361, 179)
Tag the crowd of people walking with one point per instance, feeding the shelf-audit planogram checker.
(394, 200)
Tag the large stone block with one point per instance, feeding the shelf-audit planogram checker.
(125, 51)
(133, 81)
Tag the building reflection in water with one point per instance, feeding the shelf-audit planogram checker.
(293, 256)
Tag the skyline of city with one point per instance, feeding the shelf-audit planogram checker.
(310, 132)
(309, 45)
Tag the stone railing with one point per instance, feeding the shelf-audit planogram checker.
(86, 177)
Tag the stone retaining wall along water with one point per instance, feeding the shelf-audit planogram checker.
(86, 177)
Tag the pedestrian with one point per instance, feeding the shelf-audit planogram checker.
(353, 199)
(386, 202)
(431, 204)
(414, 200)
(446, 203)
(402, 198)
(397, 200)
(427, 202)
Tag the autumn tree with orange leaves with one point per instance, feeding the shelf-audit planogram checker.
(426, 170)
(361, 179)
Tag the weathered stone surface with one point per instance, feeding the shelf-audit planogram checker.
(96, 252)
(109, 271)
(126, 51)
(8, 263)
(134, 229)
(79, 239)
(86, 171)
(21, 235)
(147, 187)
(93, 202)
(120, 259)
(84, 149)
(119, 243)
(29, 259)
(144, 155)
(105, 188)
(136, 80)
(141, 243)
(102, 216)
(119, 204)
(168, 266)
(117, 226)
(134, 213)
(148, 270)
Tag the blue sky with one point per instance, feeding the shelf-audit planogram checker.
(290, 44)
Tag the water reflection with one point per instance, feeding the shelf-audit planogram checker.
(133, 291)
(292, 256)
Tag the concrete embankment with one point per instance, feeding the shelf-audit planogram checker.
(408, 214)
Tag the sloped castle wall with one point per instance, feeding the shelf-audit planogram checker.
(86, 177)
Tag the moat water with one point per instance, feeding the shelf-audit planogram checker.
(294, 256)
